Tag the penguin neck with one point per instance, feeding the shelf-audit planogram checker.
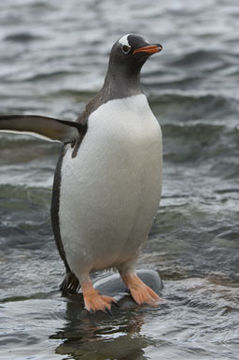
(120, 84)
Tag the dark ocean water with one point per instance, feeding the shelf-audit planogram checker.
(53, 57)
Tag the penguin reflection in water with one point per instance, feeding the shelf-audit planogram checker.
(107, 182)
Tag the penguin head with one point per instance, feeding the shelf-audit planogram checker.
(130, 52)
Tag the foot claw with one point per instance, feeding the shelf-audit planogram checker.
(108, 312)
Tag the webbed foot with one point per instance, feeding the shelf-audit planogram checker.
(140, 292)
(94, 301)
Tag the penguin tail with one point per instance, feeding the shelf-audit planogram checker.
(45, 127)
(70, 284)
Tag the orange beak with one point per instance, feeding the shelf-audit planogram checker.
(149, 49)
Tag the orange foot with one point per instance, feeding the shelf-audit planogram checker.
(94, 301)
(141, 293)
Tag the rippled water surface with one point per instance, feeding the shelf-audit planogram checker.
(53, 57)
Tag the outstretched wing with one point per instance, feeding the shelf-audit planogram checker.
(49, 128)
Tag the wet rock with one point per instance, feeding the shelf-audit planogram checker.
(112, 285)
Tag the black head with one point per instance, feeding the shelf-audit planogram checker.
(127, 57)
(129, 54)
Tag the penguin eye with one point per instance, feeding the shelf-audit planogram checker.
(126, 49)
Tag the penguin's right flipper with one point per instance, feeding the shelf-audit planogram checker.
(70, 284)
(46, 127)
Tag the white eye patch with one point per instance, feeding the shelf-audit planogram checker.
(124, 40)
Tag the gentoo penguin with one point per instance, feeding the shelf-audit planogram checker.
(108, 179)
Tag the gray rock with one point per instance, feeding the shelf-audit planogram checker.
(112, 285)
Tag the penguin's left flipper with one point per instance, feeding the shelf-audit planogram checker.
(46, 127)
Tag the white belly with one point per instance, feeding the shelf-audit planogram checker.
(110, 191)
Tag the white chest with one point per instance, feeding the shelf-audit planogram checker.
(110, 190)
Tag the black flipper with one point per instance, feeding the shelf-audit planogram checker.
(50, 128)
